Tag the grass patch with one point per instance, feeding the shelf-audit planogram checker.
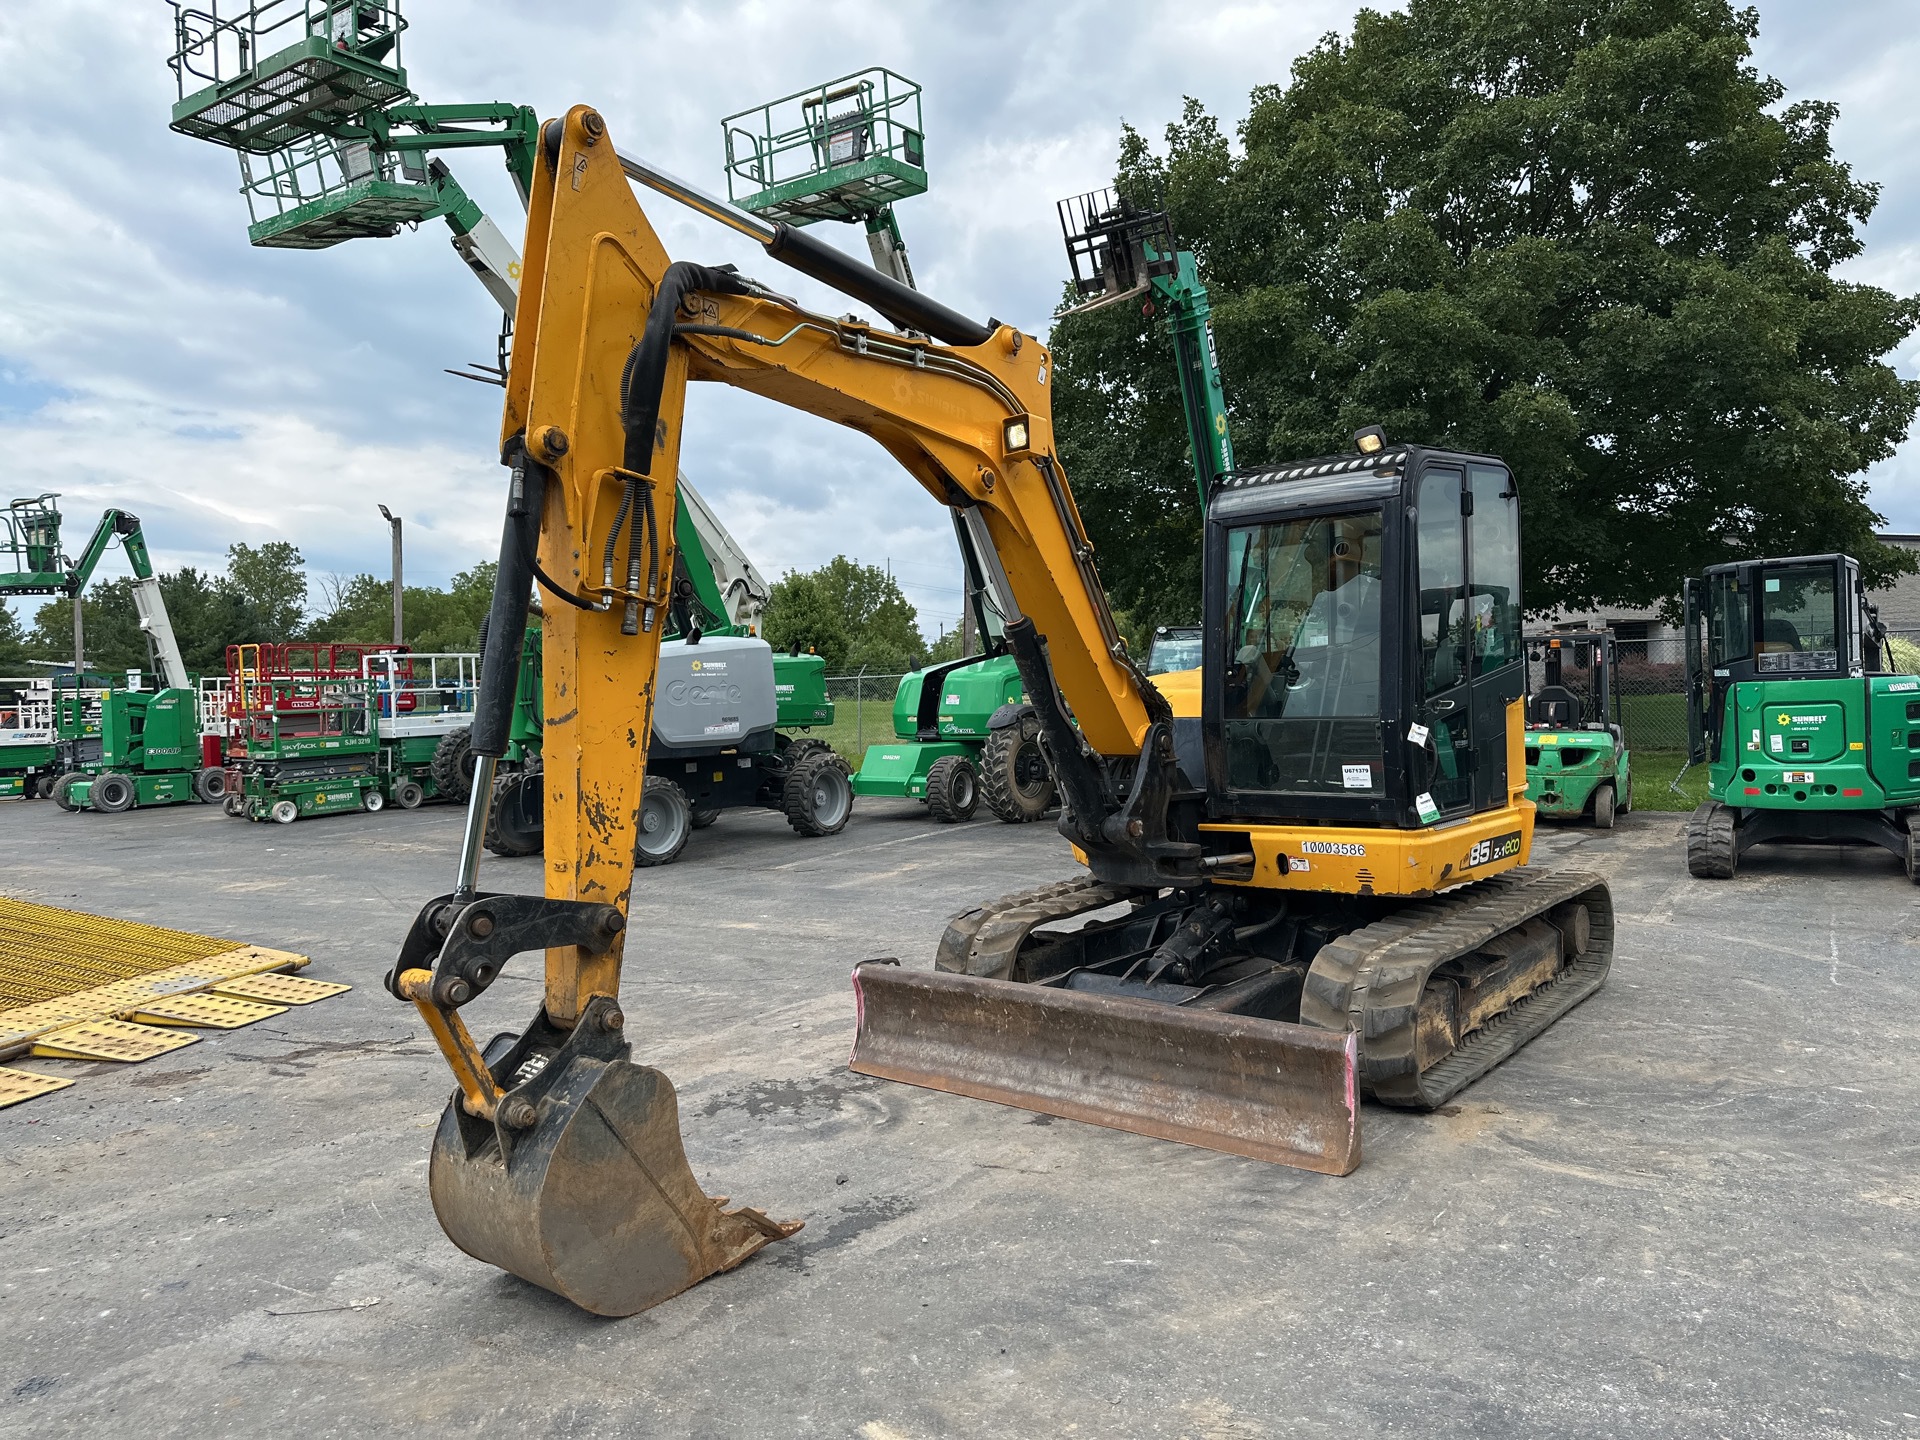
(1654, 772)
(853, 728)
(1658, 722)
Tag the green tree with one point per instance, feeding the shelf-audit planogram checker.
(360, 608)
(16, 643)
(1582, 234)
(854, 615)
(272, 580)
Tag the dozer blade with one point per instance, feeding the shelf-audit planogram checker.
(595, 1200)
(1227, 1082)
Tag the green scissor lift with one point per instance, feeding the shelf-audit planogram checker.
(1578, 765)
(1807, 734)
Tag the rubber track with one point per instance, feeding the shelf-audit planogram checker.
(1710, 843)
(985, 940)
(1370, 980)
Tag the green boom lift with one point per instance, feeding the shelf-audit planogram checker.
(114, 749)
(1807, 736)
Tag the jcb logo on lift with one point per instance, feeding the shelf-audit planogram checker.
(1500, 847)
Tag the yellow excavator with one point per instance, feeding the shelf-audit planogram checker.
(1306, 879)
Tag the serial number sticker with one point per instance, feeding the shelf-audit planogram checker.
(1357, 777)
(1500, 847)
(1799, 777)
(1333, 847)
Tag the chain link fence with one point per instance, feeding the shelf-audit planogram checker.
(862, 712)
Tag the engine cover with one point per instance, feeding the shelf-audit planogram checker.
(716, 695)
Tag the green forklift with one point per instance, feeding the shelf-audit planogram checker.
(1578, 766)
(1808, 737)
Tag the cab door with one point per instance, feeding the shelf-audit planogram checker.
(1470, 666)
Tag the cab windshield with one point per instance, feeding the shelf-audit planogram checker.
(1303, 656)
(1174, 650)
(1797, 619)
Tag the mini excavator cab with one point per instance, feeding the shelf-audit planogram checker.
(1367, 609)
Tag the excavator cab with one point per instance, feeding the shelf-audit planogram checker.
(1367, 609)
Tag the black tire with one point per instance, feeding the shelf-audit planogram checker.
(1913, 846)
(408, 795)
(794, 751)
(516, 821)
(1710, 848)
(1014, 774)
(61, 786)
(112, 793)
(210, 785)
(953, 789)
(453, 762)
(40, 787)
(1603, 807)
(704, 816)
(666, 820)
(236, 806)
(818, 798)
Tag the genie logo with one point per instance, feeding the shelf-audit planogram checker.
(690, 692)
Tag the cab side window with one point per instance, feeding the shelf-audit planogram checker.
(1493, 543)
(1444, 620)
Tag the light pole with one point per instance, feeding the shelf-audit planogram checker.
(393, 520)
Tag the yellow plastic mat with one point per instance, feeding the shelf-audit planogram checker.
(72, 985)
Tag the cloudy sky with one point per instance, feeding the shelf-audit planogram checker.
(150, 358)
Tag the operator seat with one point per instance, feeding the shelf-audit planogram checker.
(1555, 706)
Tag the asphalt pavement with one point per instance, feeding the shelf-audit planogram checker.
(1691, 1208)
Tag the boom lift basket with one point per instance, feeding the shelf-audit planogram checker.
(33, 542)
(261, 74)
(319, 191)
(839, 151)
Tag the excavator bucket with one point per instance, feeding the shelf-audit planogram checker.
(594, 1200)
(1246, 1086)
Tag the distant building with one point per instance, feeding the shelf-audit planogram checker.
(1900, 602)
